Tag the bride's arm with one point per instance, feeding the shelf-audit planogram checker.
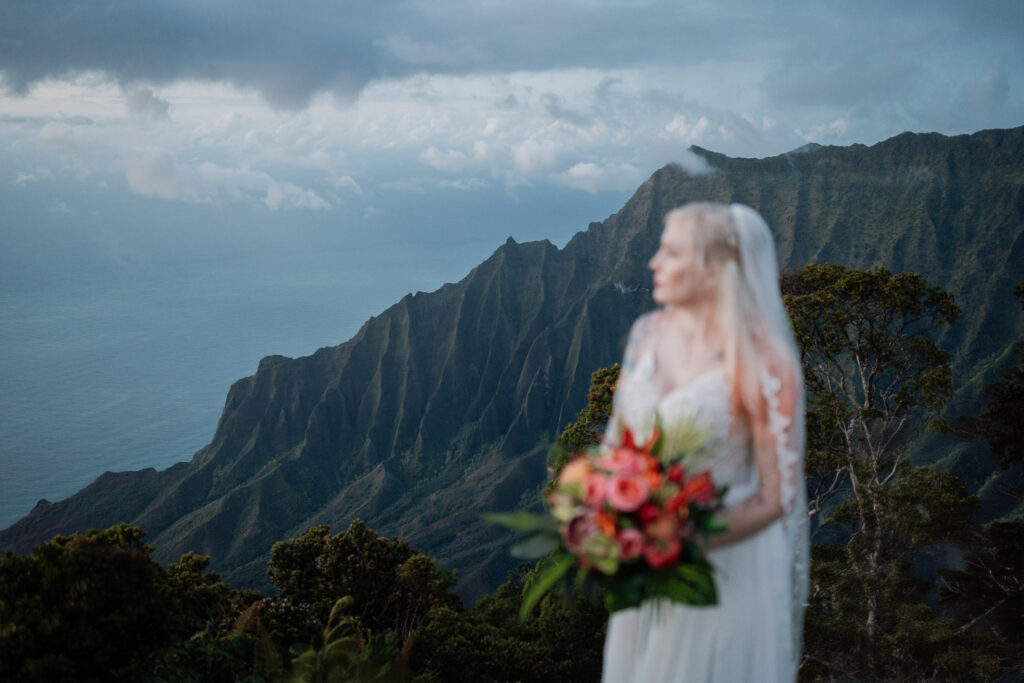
(635, 342)
(773, 445)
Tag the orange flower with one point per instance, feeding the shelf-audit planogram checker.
(652, 471)
(678, 504)
(575, 472)
(605, 523)
(665, 528)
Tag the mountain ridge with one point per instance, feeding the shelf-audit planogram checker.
(443, 405)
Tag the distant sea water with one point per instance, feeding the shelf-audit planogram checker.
(122, 375)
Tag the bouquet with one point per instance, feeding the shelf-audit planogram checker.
(630, 518)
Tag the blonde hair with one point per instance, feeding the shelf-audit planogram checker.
(748, 336)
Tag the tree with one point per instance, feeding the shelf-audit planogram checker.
(205, 602)
(86, 607)
(987, 595)
(490, 643)
(345, 652)
(874, 378)
(871, 370)
(590, 422)
(392, 586)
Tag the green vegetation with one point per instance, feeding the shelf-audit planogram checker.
(96, 607)
(873, 376)
(589, 425)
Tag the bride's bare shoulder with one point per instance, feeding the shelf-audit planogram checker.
(643, 326)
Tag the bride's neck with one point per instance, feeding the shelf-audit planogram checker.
(699, 318)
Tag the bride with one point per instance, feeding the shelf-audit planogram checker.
(720, 350)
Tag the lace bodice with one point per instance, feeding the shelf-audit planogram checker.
(704, 400)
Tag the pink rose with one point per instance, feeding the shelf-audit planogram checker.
(627, 492)
(595, 485)
(631, 543)
(623, 461)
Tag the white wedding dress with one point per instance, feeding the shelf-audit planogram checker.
(753, 634)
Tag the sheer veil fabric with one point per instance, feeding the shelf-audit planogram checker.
(755, 631)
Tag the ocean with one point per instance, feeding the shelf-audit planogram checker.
(125, 320)
(132, 373)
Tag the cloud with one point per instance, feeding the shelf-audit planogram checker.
(290, 53)
(594, 178)
(465, 184)
(558, 110)
(823, 131)
(681, 128)
(448, 160)
(441, 94)
(347, 182)
(160, 175)
(538, 156)
(426, 53)
(25, 177)
(287, 53)
(694, 164)
(143, 104)
(985, 101)
(481, 154)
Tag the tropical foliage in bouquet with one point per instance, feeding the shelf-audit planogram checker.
(630, 519)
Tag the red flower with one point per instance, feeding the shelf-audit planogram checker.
(700, 489)
(631, 544)
(629, 442)
(677, 503)
(661, 554)
(676, 473)
(648, 513)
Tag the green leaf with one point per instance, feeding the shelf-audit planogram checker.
(536, 547)
(693, 584)
(521, 521)
(547, 574)
(716, 525)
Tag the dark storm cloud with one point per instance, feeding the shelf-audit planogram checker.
(876, 52)
(812, 53)
(286, 53)
(289, 51)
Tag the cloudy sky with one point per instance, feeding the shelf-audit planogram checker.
(474, 119)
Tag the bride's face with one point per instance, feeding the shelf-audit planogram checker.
(679, 279)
